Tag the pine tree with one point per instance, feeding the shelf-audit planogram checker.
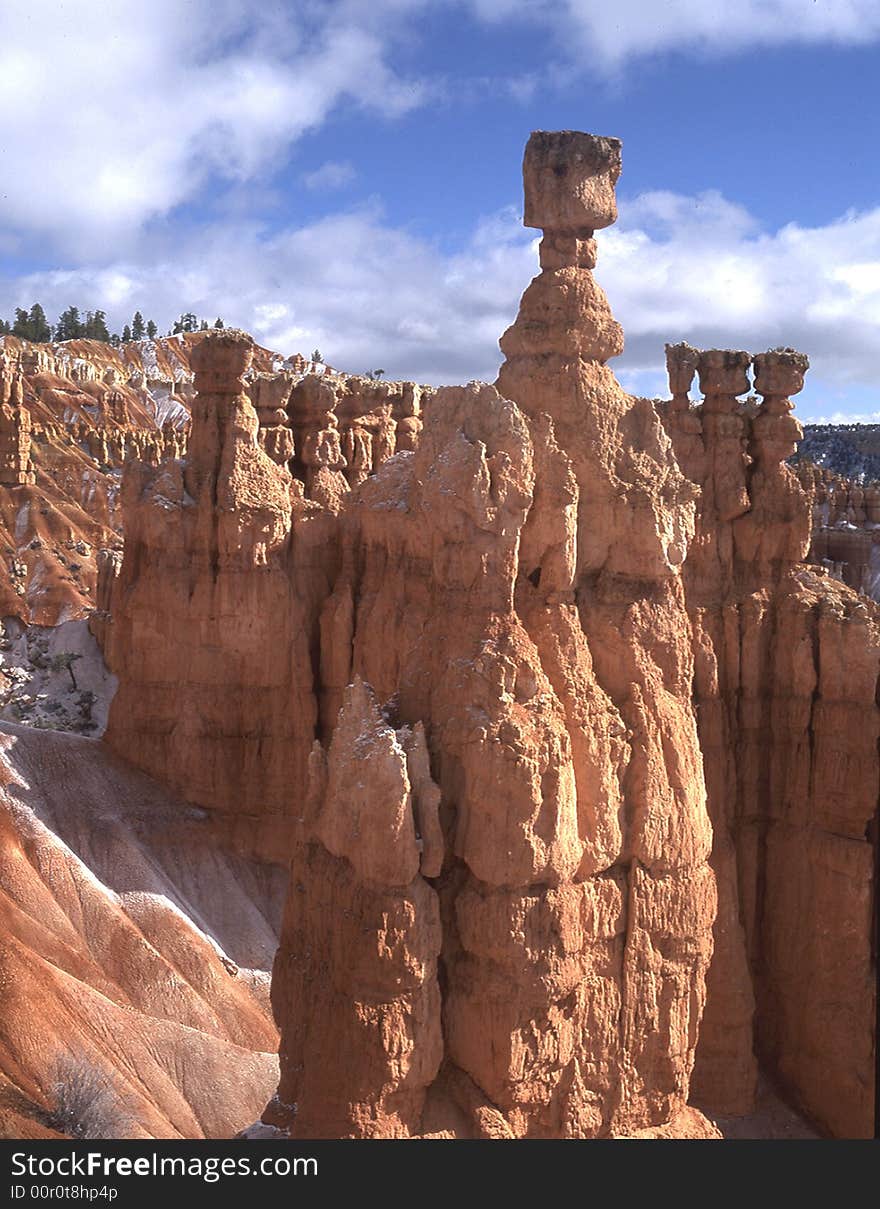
(41, 332)
(31, 325)
(5, 327)
(96, 326)
(137, 326)
(203, 326)
(114, 340)
(69, 326)
(188, 322)
(126, 334)
(218, 323)
(316, 356)
(152, 330)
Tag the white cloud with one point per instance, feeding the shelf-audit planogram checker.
(728, 284)
(330, 175)
(367, 294)
(600, 33)
(122, 111)
(125, 111)
(846, 417)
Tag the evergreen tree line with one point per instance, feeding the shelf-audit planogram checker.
(33, 325)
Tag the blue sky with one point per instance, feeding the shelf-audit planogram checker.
(346, 175)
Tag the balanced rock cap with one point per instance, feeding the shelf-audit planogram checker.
(569, 180)
(222, 355)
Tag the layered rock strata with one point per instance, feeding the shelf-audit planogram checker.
(134, 953)
(16, 467)
(846, 527)
(209, 628)
(789, 746)
(362, 935)
(83, 408)
(485, 660)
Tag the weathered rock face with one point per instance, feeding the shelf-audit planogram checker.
(48, 528)
(793, 815)
(65, 431)
(789, 746)
(346, 427)
(485, 660)
(573, 909)
(16, 467)
(616, 627)
(74, 413)
(134, 951)
(581, 603)
(209, 633)
(212, 621)
(362, 876)
(82, 408)
(846, 527)
(546, 971)
(270, 394)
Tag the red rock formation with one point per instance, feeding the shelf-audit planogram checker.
(485, 661)
(226, 567)
(574, 901)
(791, 776)
(210, 632)
(91, 407)
(567, 697)
(361, 877)
(132, 948)
(47, 536)
(845, 527)
(635, 519)
(573, 909)
(16, 467)
(347, 427)
(270, 394)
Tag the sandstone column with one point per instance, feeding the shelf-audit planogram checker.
(635, 521)
(16, 467)
(211, 630)
(270, 394)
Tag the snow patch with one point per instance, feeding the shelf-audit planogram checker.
(22, 522)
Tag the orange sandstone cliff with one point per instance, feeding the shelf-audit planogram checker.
(786, 683)
(71, 414)
(846, 526)
(599, 612)
(134, 951)
(213, 618)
